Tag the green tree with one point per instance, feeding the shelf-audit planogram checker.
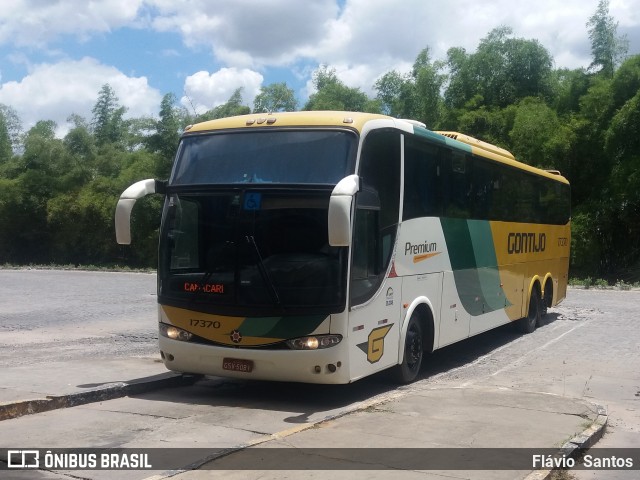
(396, 94)
(108, 122)
(43, 152)
(6, 151)
(37, 181)
(509, 69)
(603, 171)
(136, 132)
(622, 147)
(538, 137)
(491, 124)
(232, 107)
(503, 70)
(276, 97)
(626, 82)
(415, 95)
(79, 141)
(428, 83)
(461, 86)
(606, 47)
(80, 221)
(589, 167)
(621, 138)
(13, 126)
(164, 140)
(332, 94)
(568, 87)
(17, 220)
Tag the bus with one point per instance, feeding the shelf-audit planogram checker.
(323, 247)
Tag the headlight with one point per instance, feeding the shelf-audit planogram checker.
(315, 342)
(174, 333)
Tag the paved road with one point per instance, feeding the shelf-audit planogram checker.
(589, 349)
(53, 315)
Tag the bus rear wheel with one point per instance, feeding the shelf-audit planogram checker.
(547, 298)
(529, 323)
(408, 370)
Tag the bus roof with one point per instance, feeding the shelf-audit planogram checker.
(354, 120)
(490, 151)
(357, 121)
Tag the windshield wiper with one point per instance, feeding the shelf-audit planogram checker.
(263, 271)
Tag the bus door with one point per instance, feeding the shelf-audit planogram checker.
(374, 290)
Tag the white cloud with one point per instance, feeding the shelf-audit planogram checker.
(206, 91)
(55, 91)
(248, 33)
(36, 22)
(362, 39)
(367, 38)
(371, 37)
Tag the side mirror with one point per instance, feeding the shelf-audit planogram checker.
(127, 201)
(340, 207)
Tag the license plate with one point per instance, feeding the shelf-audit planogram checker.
(237, 365)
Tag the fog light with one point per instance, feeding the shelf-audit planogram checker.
(174, 333)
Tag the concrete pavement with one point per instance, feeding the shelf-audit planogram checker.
(423, 418)
(419, 415)
(28, 390)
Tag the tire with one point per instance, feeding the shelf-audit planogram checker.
(547, 299)
(529, 323)
(408, 370)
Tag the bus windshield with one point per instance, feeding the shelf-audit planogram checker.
(272, 156)
(239, 250)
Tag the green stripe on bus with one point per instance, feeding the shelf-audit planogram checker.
(435, 137)
(487, 265)
(474, 264)
(280, 327)
(458, 238)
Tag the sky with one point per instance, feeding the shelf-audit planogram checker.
(55, 55)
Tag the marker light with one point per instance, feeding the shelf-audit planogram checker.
(315, 342)
(174, 333)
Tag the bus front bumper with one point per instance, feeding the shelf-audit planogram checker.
(328, 365)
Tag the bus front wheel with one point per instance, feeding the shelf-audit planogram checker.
(408, 370)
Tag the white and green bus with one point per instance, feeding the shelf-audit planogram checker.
(323, 247)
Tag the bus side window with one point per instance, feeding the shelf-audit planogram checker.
(421, 180)
(456, 184)
(486, 202)
(526, 203)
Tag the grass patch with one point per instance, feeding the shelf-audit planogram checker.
(600, 283)
(83, 268)
(589, 282)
